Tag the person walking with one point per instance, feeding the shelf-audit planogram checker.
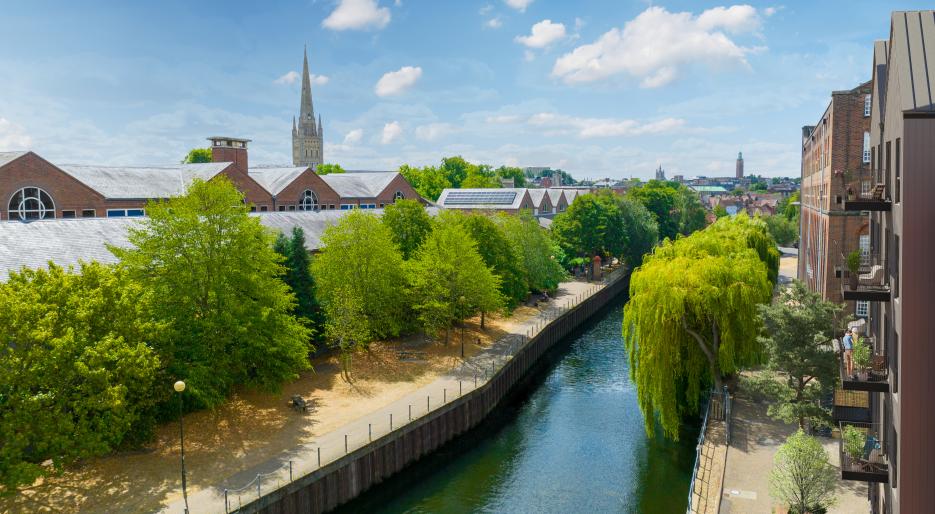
(847, 346)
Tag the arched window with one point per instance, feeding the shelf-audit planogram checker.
(31, 203)
(398, 196)
(308, 201)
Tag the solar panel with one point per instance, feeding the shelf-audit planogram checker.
(480, 198)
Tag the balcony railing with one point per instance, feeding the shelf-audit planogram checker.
(850, 406)
(863, 453)
(869, 370)
(869, 282)
(865, 191)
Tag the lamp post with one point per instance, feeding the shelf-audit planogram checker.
(179, 387)
(461, 303)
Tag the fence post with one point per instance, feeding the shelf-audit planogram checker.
(410, 412)
(258, 489)
(345, 443)
(391, 422)
(460, 390)
(428, 403)
(444, 395)
(319, 457)
(226, 504)
(290, 471)
(370, 432)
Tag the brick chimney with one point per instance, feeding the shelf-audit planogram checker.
(230, 149)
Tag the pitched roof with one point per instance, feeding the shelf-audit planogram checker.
(275, 178)
(142, 182)
(483, 198)
(555, 195)
(359, 184)
(8, 157)
(69, 241)
(912, 39)
(536, 195)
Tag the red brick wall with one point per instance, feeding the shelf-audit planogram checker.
(67, 193)
(291, 195)
(387, 196)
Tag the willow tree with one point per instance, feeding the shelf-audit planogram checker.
(692, 320)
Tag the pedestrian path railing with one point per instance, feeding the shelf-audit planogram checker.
(470, 374)
(698, 449)
(717, 407)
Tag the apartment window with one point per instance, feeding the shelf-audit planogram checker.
(865, 188)
(894, 364)
(867, 103)
(897, 169)
(88, 213)
(864, 245)
(68, 214)
(867, 148)
(894, 266)
(862, 309)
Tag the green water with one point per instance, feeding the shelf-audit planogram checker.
(573, 444)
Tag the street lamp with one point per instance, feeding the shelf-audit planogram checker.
(179, 387)
(461, 302)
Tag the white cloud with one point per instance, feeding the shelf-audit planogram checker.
(391, 132)
(529, 55)
(588, 128)
(319, 80)
(485, 10)
(656, 44)
(353, 136)
(543, 34)
(13, 137)
(502, 119)
(769, 11)
(357, 15)
(519, 5)
(397, 82)
(434, 131)
(289, 78)
(494, 23)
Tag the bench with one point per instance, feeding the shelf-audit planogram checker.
(299, 404)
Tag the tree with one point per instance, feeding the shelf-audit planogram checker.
(196, 155)
(783, 230)
(512, 172)
(429, 181)
(325, 169)
(641, 229)
(455, 169)
(592, 225)
(359, 259)
(299, 278)
(348, 326)
(692, 315)
(801, 476)
(480, 177)
(677, 209)
(500, 256)
(76, 372)
(691, 214)
(798, 327)
(212, 279)
(449, 279)
(719, 211)
(535, 250)
(409, 224)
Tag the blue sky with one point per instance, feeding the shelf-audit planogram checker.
(599, 88)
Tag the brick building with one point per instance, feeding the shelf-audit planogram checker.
(835, 155)
(34, 188)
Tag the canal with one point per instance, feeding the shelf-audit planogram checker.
(573, 441)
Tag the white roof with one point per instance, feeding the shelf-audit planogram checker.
(536, 195)
(275, 178)
(359, 184)
(142, 182)
(69, 241)
(7, 157)
(555, 195)
(482, 198)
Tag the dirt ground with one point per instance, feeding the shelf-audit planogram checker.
(254, 427)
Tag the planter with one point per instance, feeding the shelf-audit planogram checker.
(853, 280)
(862, 375)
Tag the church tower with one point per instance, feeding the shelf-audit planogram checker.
(306, 134)
(739, 168)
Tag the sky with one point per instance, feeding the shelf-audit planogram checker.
(597, 88)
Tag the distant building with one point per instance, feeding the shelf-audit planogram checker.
(660, 173)
(679, 178)
(307, 137)
(539, 201)
(739, 173)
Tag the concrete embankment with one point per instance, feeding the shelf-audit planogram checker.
(347, 477)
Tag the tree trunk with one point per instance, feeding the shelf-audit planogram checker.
(482, 313)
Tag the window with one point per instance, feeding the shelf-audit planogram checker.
(331, 206)
(263, 208)
(368, 206)
(866, 147)
(31, 203)
(68, 214)
(862, 309)
(867, 103)
(282, 208)
(88, 213)
(864, 246)
(125, 213)
(347, 206)
(308, 201)
(292, 207)
(398, 196)
(897, 169)
(253, 208)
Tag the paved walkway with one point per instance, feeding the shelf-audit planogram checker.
(335, 444)
(754, 442)
(706, 494)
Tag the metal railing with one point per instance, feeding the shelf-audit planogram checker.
(870, 275)
(863, 452)
(717, 407)
(865, 185)
(471, 374)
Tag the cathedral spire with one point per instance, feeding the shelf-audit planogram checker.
(306, 109)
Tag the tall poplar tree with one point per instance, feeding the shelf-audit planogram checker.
(409, 224)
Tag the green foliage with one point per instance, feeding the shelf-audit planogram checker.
(720, 211)
(853, 261)
(449, 280)
(676, 208)
(692, 318)
(861, 354)
(429, 181)
(854, 441)
(299, 278)
(76, 372)
(535, 250)
(786, 208)
(359, 260)
(455, 172)
(325, 169)
(798, 327)
(641, 229)
(783, 230)
(737, 192)
(592, 225)
(196, 155)
(752, 233)
(480, 177)
(409, 224)
(500, 256)
(507, 172)
(210, 276)
(802, 477)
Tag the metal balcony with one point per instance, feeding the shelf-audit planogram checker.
(869, 283)
(863, 453)
(874, 377)
(866, 192)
